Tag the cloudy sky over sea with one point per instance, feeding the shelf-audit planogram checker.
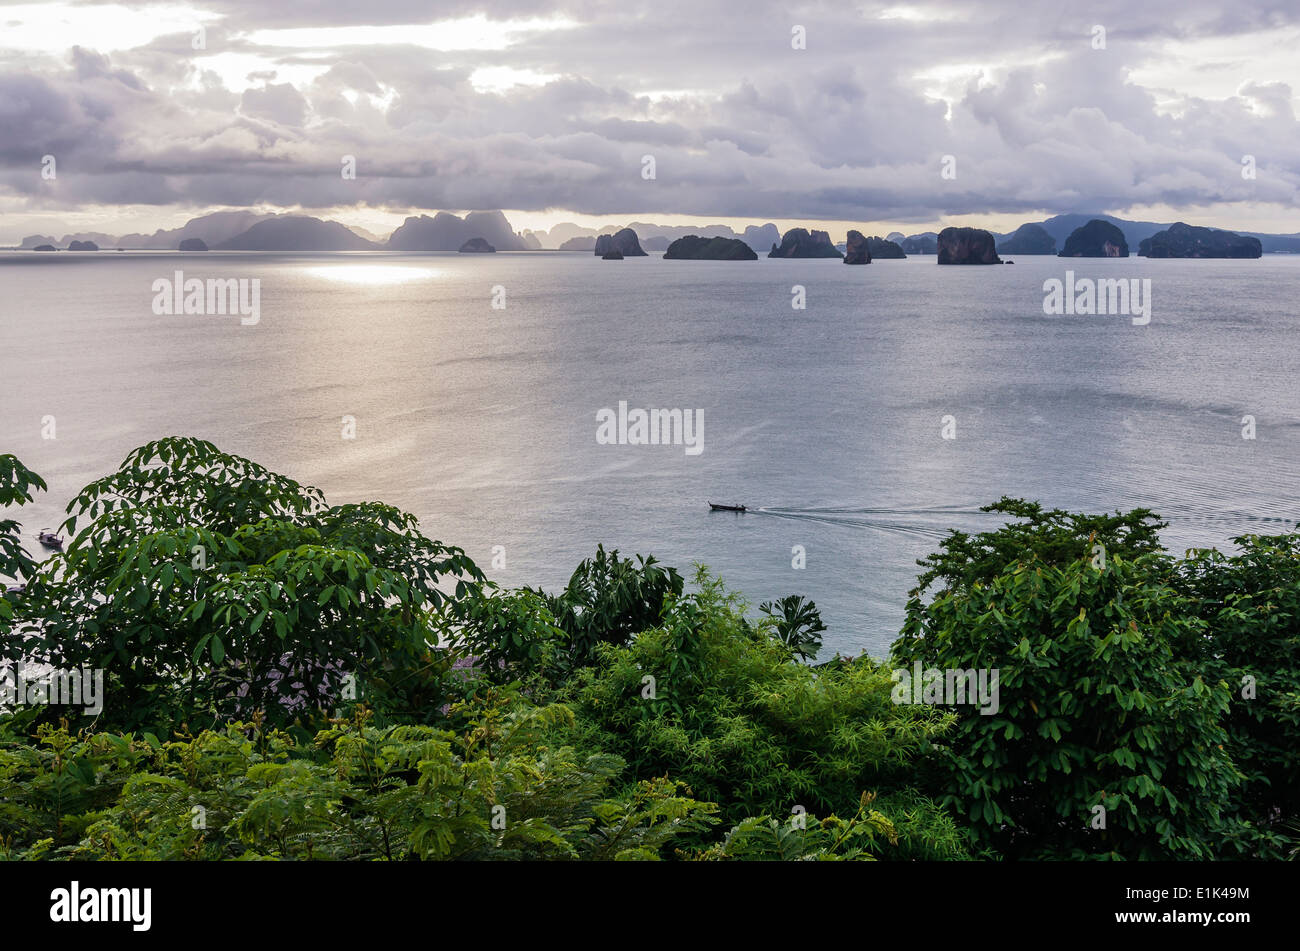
(547, 109)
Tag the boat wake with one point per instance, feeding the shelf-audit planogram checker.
(937, 522)
(932, 523)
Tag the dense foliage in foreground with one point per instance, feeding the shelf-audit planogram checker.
(288, 679)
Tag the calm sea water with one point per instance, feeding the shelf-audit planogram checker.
(825, 421)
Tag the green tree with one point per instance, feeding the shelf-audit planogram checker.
(1109, 739)
(1049, 536)
(208, 587)
(1250, 603)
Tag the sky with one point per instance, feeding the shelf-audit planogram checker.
(890, 116)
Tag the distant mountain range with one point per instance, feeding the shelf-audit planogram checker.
(213, 229)
(295, 233)
(253, 231)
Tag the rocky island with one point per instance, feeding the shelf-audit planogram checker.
(856, 250)
(477, 246)
(885, 248)
(967, 246)
(192, 244)
(861, 250)
(694, 248)
(800, 243)
(1189, 241)
(448, 232)
(625, 242)
(1096, 239)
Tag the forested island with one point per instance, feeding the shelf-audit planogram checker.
(1096, 239)
(1187, 241)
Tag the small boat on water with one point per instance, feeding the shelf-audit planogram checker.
(726, 508)
(50, 540)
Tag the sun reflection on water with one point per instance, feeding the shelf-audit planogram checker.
(373, 274)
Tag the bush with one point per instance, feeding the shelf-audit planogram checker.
(609, 600)
(354, 793)
(764, 839)
(720, 705)
(798, 624)
(506, 634)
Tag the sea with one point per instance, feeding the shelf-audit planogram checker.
(859, 413)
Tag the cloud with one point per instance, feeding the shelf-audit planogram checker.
(740, 124)
(279, 103)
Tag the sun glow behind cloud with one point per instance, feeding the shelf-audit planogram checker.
(235, 70)
(502, 78)
(949, 82)
(55, 27)
(902, 13)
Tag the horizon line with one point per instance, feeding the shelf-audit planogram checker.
(1003, 223)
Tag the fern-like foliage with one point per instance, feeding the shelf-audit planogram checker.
(353, 792)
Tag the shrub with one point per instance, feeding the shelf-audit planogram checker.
(720, 705)
(798, 624)
(764, 839)
(609, 600)
(353, 793)
(506, 634)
